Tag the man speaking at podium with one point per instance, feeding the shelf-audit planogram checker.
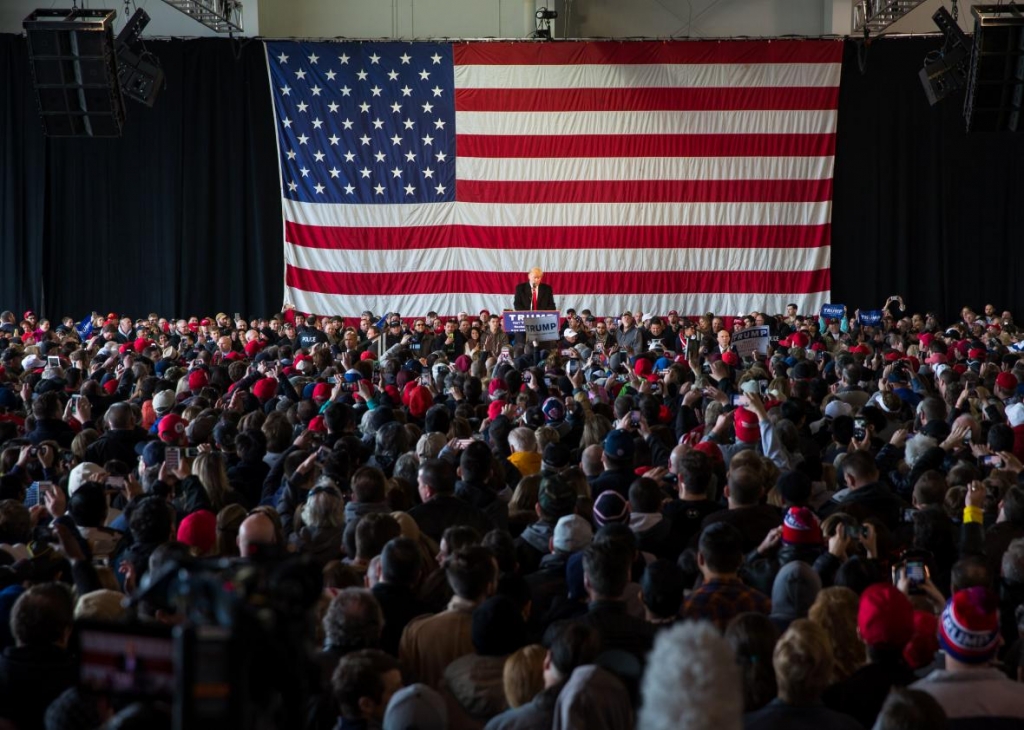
(533, 295)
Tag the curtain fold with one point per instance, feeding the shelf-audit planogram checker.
(921, 208)
(180, 215)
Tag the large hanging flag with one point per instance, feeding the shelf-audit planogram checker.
(692, 176)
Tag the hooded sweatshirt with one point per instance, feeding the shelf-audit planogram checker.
(537, 536)
(527, 462)
(355, 510)
(795, 588)
(654, 534)
(595, 699)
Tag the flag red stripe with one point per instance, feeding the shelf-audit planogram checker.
(646, 145)
(612, 100)
(605, 282)
(647, 52)
(644, 191)
(545, 237)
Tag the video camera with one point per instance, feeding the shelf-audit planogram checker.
(238, 658)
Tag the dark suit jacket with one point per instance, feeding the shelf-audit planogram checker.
(524, 298)
(399, 606)
(619, 630)
(753, 522)
(445, 510)
(870, 500)
(115, 444)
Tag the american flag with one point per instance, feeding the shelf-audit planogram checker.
(692, 176)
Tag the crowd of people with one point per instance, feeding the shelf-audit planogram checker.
(636, 525)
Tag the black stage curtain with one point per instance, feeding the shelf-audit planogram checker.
(183, 215)
(920, 207)
(180, 215)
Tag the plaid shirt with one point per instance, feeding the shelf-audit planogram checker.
(719, 600)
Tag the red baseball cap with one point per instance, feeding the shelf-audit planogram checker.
(171, 429)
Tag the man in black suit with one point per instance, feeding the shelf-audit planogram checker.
(533, 295)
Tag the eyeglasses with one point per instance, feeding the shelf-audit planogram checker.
(420, 324)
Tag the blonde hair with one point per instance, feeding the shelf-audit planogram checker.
(229, 519)
(830, 525)
(756, 372)
(523, 675)
(835, 610)
(324, 509)
(711, 413)
(82, 441)
(595, 428)
(101, 605)
(780, 387)
(575, 477)
(213, 475)
(191, 413)
(524, 498)
(749, 459)
(252, 421)
(803, 663)
(546, 435)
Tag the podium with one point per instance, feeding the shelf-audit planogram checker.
(532, 325)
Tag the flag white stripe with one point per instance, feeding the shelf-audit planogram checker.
(646, 168)
(430, 260)
(448, 304)
(585, 214)
(647, 122)
(634, 76)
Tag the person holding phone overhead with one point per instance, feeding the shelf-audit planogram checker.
(534, 295)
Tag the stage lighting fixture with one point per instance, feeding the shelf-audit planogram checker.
(544, 23)
(945, 70)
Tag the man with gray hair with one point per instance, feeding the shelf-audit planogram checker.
(692, 681)
(118, 442)
(850, 390)
(590, 462)
(525, 457)
(353, 622)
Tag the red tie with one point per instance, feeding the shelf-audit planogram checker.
(534, 298)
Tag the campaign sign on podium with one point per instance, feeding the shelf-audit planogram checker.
(540, 326)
